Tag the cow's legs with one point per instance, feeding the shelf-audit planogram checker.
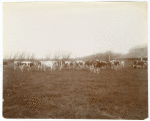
(54, 68)
(98, 70)
(95, 70)
(14, 67)
(92, 68)
(28, 68)
(115, 67)
(40, 68)
(112, 66)
(60, 68)
(44, 68)
(21, 68)
(51, 68)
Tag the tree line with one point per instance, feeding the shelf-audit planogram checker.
(59, 55)
(21, 56)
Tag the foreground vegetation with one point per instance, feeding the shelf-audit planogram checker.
(73, 94)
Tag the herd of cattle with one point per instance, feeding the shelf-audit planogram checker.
(94, 66)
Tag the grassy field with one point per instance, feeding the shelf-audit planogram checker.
(73, 94)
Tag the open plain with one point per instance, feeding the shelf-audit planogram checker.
(75, 94)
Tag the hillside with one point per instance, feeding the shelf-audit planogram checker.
(101, 56)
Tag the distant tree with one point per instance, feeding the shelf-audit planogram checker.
(5, 57)
(28, 56)
(32, 57)
(11, 56)
(57, 55)
(22, 56)
(66, 55)
(15, 55)
(48, 55)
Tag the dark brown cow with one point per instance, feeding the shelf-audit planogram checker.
(79, 65)
(139, 64)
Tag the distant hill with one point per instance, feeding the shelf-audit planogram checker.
(101, 56)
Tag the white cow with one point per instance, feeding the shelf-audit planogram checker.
(46, 64)
(25, 65)
(60, 64)
(16, 63)
(122, 63)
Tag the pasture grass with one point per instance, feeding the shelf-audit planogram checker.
(73, 94)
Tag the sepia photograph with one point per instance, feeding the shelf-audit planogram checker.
(75, 60)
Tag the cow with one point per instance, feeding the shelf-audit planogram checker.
(95, 65)
(145, 64)
(99, 65)
(139, 64)
(87, 63)
(122, 63)
(23, 65)
(111, 64)
(59, 64)
(5, 64)
(90, 65)
(39, 65)
(72, 64)
(67, 64)
(46, 64)
(135, 64)
(103, 64)
(26, 65)
(117, 65)
(79, 64)
(16, 63)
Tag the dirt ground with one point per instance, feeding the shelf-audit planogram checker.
(73, 94)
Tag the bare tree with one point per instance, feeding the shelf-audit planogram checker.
(66, 55)
(57, 55)
(28, 56)
(5, 57)
(32, 57)
(11, 56)
(22, 55)
(48, 55)
(15, 55)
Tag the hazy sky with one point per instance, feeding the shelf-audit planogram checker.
(79, 28)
